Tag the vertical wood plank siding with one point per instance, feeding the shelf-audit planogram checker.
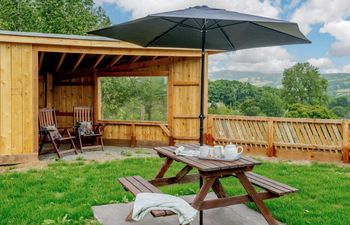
(17, 101)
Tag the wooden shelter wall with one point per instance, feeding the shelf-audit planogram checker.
(18, 119)
(185, 85)
(67, 97)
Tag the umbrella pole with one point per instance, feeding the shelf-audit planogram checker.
(202, 116)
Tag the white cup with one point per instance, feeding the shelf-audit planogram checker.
(204, 151)
(218, 151)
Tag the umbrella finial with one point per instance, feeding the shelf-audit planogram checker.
(200, 6)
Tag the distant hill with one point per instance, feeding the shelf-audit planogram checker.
(255, 78)
(338, 83)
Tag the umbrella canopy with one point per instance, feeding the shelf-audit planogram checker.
(225, 30)
(205, 28)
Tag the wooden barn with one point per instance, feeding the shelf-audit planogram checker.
(63, 71)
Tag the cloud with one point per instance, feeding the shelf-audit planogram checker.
(141, 8)
(266, 60)
(326, 65)
(320, 12)
(341, 31)
(321, 63)
(333, 18)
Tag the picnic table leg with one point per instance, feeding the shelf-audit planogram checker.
(208, 183)
(219, 189)
(256, 199)
(167, 163)
(129, 217)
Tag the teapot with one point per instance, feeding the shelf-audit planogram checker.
(232, 151)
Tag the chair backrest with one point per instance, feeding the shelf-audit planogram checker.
(83, 114)
(47, 117)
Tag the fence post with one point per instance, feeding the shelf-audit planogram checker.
(133, 141)
(209, 135)
(270, 151)
(345, 144)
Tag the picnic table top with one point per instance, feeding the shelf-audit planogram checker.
(203, 164)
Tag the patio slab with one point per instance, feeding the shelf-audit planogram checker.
(115, 214)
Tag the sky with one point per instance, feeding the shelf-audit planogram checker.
(325, 22)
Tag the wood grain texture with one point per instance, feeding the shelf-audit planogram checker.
(5, 99)
(17, 97)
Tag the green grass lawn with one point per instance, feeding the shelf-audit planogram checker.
(64, 192)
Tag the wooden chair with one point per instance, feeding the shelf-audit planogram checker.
(85, 114)
(50, 133)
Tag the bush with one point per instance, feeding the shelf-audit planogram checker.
(309, 111)
(221, 109)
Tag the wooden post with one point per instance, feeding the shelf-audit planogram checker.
(209, 136)
(133, 141)
(49, 91)
(345, 144)
(270, 151)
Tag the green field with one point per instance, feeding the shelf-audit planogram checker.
(64, 192)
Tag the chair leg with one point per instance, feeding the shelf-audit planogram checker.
(101, 142)
(80, 143)
(55, 146)
(73, 145)
(42, 142)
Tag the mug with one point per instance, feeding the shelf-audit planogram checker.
(204, 151)
(218, 151)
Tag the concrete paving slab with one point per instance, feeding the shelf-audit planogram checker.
(115, 214)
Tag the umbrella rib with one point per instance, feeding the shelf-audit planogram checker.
(280, 32)
(228, 25)
(216, 22)
(181, 24)
(199, 25)
(226, 36)
(164, 33)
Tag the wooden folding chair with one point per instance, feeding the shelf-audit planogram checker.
(85, 114)
(50, 133)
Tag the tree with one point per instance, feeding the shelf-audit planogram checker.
(52, 16)
(303, 84)
(221, 109)
(309, 111)
(250, 107)
(340, 106)
(231, 93)
(271, 104)
(340, 111)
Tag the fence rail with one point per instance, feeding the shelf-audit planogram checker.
(326, 140)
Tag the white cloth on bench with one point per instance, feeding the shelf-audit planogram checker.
(186, 152)
(146, 202)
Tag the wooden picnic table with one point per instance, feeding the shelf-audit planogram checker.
(210, 172)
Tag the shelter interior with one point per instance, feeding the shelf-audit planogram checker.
(72, 79)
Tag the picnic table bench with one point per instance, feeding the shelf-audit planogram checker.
(211, 172)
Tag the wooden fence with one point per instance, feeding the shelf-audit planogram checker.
(289, 138)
